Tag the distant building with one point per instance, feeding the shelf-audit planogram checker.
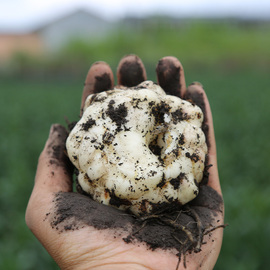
(79, 25)
(11, 44)
(52, 36)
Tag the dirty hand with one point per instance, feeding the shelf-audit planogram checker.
(81, 234)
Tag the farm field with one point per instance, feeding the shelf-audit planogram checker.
(232, 63)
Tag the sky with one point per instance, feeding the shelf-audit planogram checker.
(18, 15)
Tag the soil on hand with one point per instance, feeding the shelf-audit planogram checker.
(182, 229)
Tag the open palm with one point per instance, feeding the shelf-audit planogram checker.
(79, 233)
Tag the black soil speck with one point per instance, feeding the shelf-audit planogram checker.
(176, 182)
(159, 110)
(156, 150)
(194, 157)
(178, 116)
(118, 114)
(88, 124)
(162, 182)
(107, 138)
(181, 140)
(116, 201)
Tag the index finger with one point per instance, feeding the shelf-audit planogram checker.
(99, 78)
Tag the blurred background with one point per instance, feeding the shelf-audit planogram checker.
(46, 50)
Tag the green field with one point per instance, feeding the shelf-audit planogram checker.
(233, 64)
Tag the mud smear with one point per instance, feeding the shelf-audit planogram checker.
(102, 83)
(198, 99)
(74, 211)
(56, 149)
(131, 73)
(169, 77)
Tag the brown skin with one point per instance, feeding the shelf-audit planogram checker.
(88, 248)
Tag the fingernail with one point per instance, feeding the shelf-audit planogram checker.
(196, 83)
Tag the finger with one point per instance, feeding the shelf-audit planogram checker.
(99, 78)
(131, 71)
(196, 94)
(170, 75)
(54, 174)
(54, 170)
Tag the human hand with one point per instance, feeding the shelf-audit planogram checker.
(80, 233)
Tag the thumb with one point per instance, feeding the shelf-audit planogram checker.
(54, 174)
(54, 170)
